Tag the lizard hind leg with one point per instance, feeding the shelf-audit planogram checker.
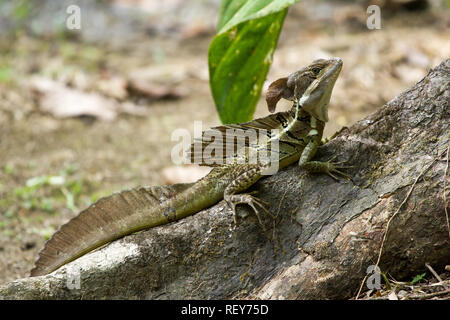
(243, 181)
(250, 200)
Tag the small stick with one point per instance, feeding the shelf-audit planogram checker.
(444, 196)
(433, 272)
(440, 282)
(429, 295)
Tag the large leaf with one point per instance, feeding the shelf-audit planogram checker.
(233, 12)
(241, 53)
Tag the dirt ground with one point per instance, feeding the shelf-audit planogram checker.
(50, 167)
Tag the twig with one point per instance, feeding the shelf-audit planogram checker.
(445, 283)
(360, 287)
(444, 196)
(440, 282)
(433, 272)
(429, 295)
(281, 201)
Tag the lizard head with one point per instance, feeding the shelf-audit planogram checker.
(312, 85)
(316, 98)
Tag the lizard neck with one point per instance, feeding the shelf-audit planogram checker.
(302, 125)
(298, 128)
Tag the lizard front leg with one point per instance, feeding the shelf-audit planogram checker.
(246, 176)
(328, 167)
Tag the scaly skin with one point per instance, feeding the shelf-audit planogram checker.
(300, 134)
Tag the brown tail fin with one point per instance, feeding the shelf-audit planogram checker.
(106, 220)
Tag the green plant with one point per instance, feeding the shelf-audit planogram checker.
(21, 9)
(241, 53)
(5, 74)
(43, 192)
(418, 278)
(9, 168)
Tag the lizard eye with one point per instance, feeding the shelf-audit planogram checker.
(315, 70)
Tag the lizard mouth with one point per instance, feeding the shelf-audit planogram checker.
(332, 72)
(317, 96)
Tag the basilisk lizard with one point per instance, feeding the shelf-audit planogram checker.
(299, 135)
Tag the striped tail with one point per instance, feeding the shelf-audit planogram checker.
(106, 220)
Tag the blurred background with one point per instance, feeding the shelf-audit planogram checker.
(85, 113)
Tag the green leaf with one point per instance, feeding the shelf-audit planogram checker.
(233, 12)
(9, 213)
(70, 199)
(240, 55)
(37, 182)
(47, 204)
(5, 75)
(418, 278)
(21, 9)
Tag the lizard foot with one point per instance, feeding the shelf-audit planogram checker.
(329, 167)
(250, 200)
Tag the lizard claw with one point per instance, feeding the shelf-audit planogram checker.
(250, 200)
(334, 167)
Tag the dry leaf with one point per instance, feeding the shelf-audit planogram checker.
(159, 81)
(156, 91)
(392, 296)
(63, 102)
(112, 86)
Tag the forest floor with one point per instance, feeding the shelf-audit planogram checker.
(52, 166)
